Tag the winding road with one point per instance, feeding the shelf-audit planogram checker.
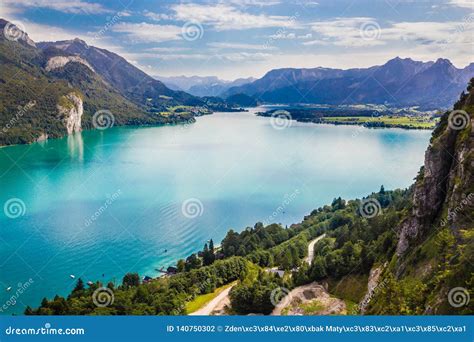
(219, 301)
(223, 298)
(310, 257)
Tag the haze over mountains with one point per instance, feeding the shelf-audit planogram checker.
(202, 86)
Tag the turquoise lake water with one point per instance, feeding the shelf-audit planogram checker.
(103, 203)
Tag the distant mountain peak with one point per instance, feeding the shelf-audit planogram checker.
(398, 60)
(443, 61)
(15, 32)
(76, 42)
(80, 41)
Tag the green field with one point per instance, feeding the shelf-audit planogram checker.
(385, 121)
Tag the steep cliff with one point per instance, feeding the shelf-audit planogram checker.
(434, 257)
(445, 182)
(71, 109)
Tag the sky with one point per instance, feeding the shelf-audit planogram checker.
(247, 38)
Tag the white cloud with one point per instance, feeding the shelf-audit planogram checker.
(305, 36)
(149, 33)
(316, 42)
(65, 6)
(229, 57)
(124, 13)
(260, 3)
(240, 46)
(348, 32)
(169, 49)
(355, 32)
(462, 3)
(8, 12)
(225, 17)
(156, 16)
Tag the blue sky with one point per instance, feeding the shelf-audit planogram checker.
(242, 38)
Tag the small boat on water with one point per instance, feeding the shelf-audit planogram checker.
(72, 276)
(9, 288)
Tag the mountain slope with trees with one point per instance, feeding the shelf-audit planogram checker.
(34, 82)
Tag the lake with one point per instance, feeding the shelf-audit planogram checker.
(103, 203)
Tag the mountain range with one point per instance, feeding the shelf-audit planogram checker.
(202, 85)
(51, 89)
(399, 83)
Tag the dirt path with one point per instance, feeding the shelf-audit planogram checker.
(310, 299)
(310, 257)
(216, 304)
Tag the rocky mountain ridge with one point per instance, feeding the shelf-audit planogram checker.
(398, 83)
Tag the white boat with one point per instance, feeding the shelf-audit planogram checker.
(72, 276)
(9, 288)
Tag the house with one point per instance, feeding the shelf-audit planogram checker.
(147, 279)
(172, 270)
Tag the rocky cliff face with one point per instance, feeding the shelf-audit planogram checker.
(444, 185)
(60, 61)
(71, 109)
